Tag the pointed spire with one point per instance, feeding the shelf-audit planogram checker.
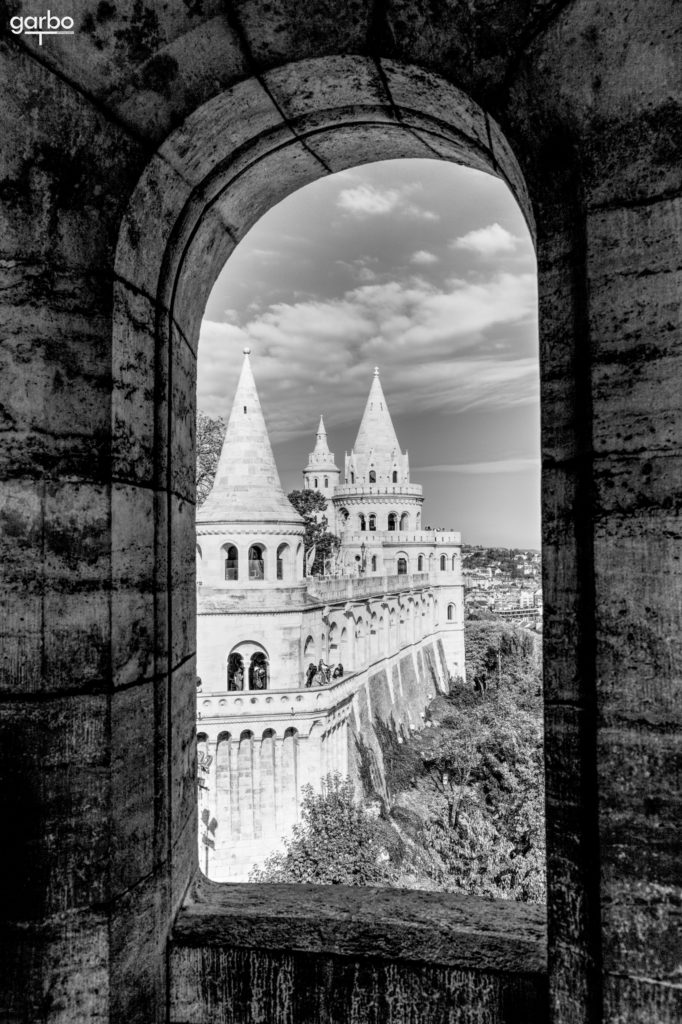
(247, 487)
(377, 433)
(321, 442)
(321, 459)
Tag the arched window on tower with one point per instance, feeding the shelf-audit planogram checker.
(307, 483)
(315, 483)
(392, 521)
(258, 672)
(372, 476)
(420, 564)
(352, 477)
(402, 566)
(235, 672)
(372, 521)
(395, 476)
(454, 563)
(283, 562)
(443, 563)
(326, 481)
(231, 563)
(451, 612)
(374, 563)
(404, 521)
(256, 562)
(363, 521)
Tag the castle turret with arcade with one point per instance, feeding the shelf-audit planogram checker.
(293, 669)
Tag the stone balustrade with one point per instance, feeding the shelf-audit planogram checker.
(399, 490)
(400, 537)
(256, 704)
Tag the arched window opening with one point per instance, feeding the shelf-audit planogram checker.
(454, 563)
(258, 672)
(283, 562)
(250, 670)
(256, 562)
(231, 563)
(235, 672)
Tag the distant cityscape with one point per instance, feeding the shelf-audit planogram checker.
(503, 583)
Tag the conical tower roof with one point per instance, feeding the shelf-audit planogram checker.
(377, 433)
(321, 458)
(247, 487)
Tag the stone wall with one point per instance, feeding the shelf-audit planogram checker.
(135, 155)
(394, 698)
(320, 957)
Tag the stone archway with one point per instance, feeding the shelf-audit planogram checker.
(103, 647)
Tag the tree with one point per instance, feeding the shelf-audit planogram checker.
(311, 506)
(210, 435)
(335, 842)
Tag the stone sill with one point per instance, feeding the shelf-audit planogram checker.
(497, 936)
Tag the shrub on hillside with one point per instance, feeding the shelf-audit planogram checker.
(336, 842)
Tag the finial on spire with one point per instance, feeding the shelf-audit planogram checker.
(376, 371)
(246, 351)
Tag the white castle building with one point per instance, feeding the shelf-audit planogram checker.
(390, 621)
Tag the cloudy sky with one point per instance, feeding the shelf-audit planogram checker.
(419, 267)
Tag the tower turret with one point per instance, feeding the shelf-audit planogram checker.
(321, 474)
(248, 532)
(376, 498)
(376, 457)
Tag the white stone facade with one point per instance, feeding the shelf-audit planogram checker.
(265, 728)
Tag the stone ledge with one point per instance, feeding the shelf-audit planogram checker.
(498, 936)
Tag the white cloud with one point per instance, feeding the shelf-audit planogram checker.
(422, 258)
(492, 240)
(511, 465)
(438, 348)
(368, 201)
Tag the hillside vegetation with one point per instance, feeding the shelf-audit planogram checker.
(462, 808)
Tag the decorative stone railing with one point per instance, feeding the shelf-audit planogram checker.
(256, 704)
(405, 490)
(393, 537)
